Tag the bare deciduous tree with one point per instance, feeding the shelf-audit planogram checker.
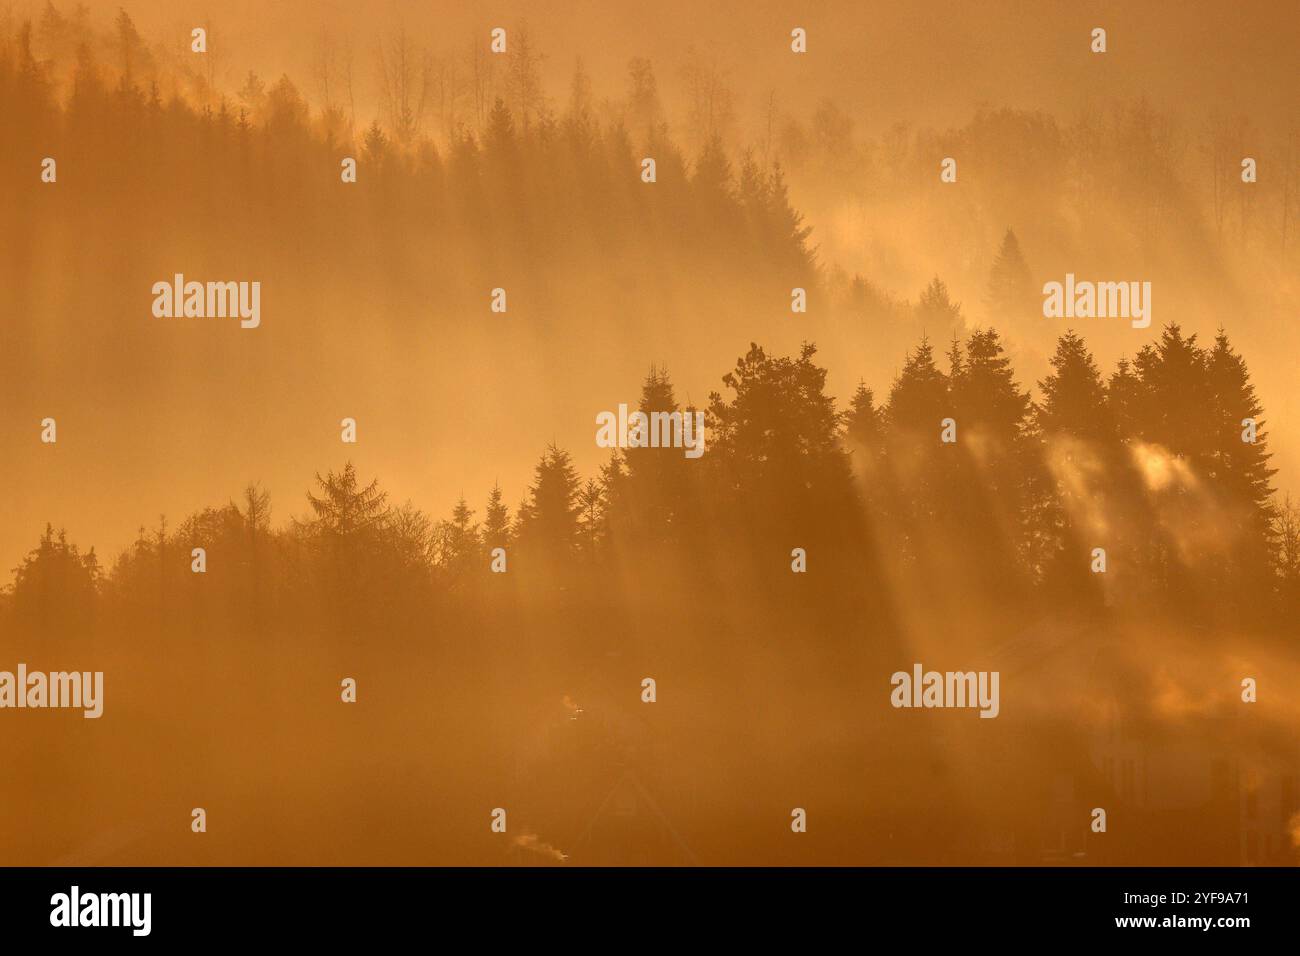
(712, 108)
(523, 76)
(405, 74)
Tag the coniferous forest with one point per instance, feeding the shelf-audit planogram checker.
(477, 688)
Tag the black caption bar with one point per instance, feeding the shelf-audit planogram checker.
(236, 904)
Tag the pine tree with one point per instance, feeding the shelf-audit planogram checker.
(864, 438)
(986, 397)
(496, 521)
(462, 520)
(921, 478)
(986, 488)
(55, 587)
(499, 140)
(86, 105)
(1176, 395)
(786, 227)
(780, 416)
(591, 518)
(53, 32)
(751, 190)
(918, 400)
(548, 518)
(1240, 475)
(1062, 488)
(344, 510)
(1176, 418)
(863, 423)
(653, 487)
(459, 545)
(956, 366)
(252, 95)
(776, 459)
(1125, 395)
(1012, 295)
(1239, 467)
(1074, 398)
(130, 46)
(580, 97)
(711, 179)
(936, 313)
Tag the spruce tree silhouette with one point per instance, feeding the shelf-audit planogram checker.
(1074, 396)
(862, 422)
(1082, 462)
(496, 521)
(459, 546)
(55, 586)
(1012, 296)
(1241, 477)
(654, 484)
(547, 522)
(778, 466)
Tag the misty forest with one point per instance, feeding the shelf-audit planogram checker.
(520, 686)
